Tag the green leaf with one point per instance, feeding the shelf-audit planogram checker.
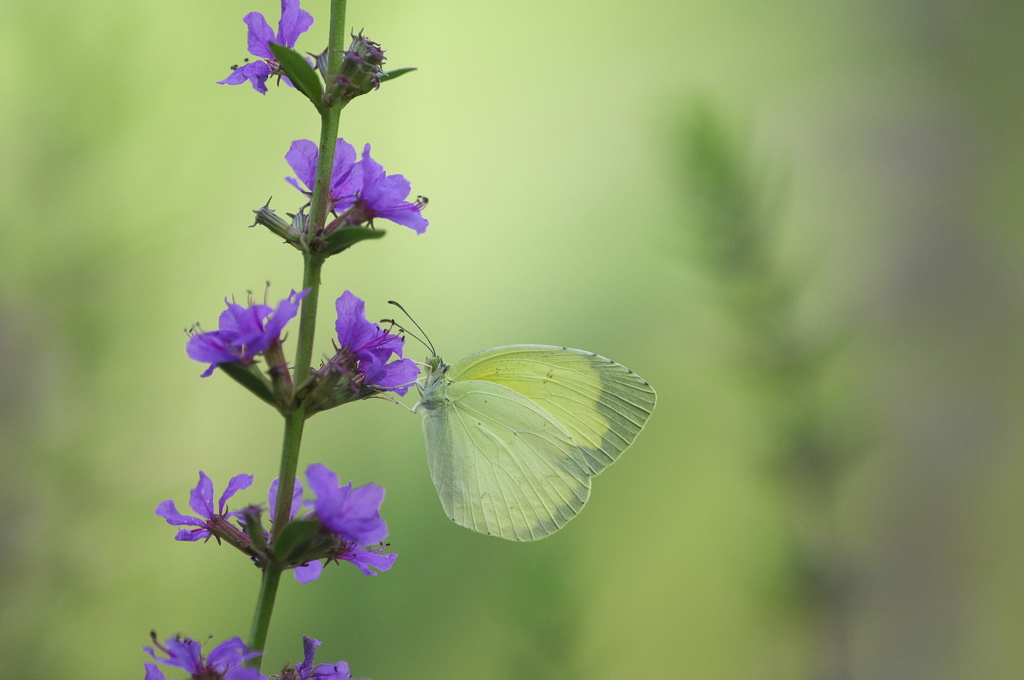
(395, 73)
(254, 530)
(250, 381)
(344, 237)
(302, 75)
(295, 540)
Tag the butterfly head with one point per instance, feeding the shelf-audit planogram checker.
(436, 367)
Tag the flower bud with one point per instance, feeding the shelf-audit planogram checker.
(251, 518)
(277, 224)
(360, 70)
(336, 383)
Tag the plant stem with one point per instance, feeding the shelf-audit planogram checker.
(289, 463)
(314, 262)
(320, 203)
(264, 610)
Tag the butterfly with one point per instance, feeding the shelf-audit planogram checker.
(514, 434)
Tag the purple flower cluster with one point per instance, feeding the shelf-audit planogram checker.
(360, 190)
(352, 517)
(224, 661)
(294, 22)
(351, 528)
(365, 350)
(244, 333)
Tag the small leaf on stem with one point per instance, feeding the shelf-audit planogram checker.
(302, 75)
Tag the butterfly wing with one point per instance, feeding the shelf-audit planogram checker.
(602, 405)
(501, 465)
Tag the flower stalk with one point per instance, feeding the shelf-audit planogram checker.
(313, 263)
(345, 196)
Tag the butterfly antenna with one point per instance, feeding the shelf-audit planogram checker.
(429, 345)
(407, 332)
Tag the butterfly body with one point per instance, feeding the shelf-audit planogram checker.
(515, 433)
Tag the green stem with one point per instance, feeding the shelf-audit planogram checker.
(336, 41)
(264, 610)
(314, 262)
(293, 425)
(289, 463)
(296, 418)
(320, 202)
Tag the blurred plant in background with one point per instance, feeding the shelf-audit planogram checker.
(737, 244)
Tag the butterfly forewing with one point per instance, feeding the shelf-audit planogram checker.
(601, 404)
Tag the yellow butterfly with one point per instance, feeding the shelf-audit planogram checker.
(515, 433)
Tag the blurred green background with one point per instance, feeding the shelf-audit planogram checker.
(799, 220)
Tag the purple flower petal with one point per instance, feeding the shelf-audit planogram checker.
(302, 157)
(296, 498)
(285, 312)
(400, 376)
(294, 22)
(357, 515)
(260, 34)
(237, 483)
(332, 671)
(231, 651)
(352, 514)
(184, 654)
(257, 73)
(322, 481)
(310, 572)
(382, 195)
(407, 214)
(240, 673)
(345, 176)
(354, 331)
(368, 560)
(169, 511)
(201, 498)
(210, 348)
(153, 672)
(191, 535)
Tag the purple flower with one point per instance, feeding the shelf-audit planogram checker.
(224, 661)
(362, 190)
(303, 155)
(383, 195)
(366, 348)
(324, 671)
(244, 332)
(201, 502)
(294, 22)
(352, 517)
(296, 499)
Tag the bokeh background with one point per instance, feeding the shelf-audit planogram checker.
(799, 220)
